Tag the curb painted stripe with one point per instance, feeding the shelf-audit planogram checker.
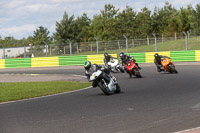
(44, 62)
(18, 63)
(197, 55)
(181, 56)
(72, 60)
(2, 63)
(149, 56)
(139, 57)
(146, 57)
(98, 59)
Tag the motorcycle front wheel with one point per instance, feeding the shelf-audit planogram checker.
(137, 73)
(118, 89)
(172, 69)
(103, 88)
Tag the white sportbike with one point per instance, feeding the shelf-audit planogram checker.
(114, 66)
(107, 83)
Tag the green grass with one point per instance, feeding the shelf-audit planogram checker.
(25, 90)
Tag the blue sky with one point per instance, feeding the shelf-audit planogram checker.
(19, 18)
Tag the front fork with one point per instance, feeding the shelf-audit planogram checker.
(104, 83)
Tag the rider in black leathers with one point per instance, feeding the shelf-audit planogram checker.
(107, 59)
(125, 59)
(157, 61)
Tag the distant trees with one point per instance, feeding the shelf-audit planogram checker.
(195, 20)
(40, 37)
(126, 23)
(82, 28)
(143, 23)
(112, 23)
(64, 29)
(108, 22)
(186, 15)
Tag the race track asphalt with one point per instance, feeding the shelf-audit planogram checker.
(156, 103)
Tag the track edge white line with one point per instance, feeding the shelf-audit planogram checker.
(187, 130)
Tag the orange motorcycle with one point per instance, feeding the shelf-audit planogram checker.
(168, 65)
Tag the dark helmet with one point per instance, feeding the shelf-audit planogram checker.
(105, 54)
(87, 65)
(121, 54)
(156, 55)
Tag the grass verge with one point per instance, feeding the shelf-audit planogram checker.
(25, 90)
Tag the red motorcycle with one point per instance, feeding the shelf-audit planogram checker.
(132, 69)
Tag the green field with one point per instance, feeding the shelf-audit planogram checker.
(25, 90)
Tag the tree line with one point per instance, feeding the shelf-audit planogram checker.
(112, 24)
